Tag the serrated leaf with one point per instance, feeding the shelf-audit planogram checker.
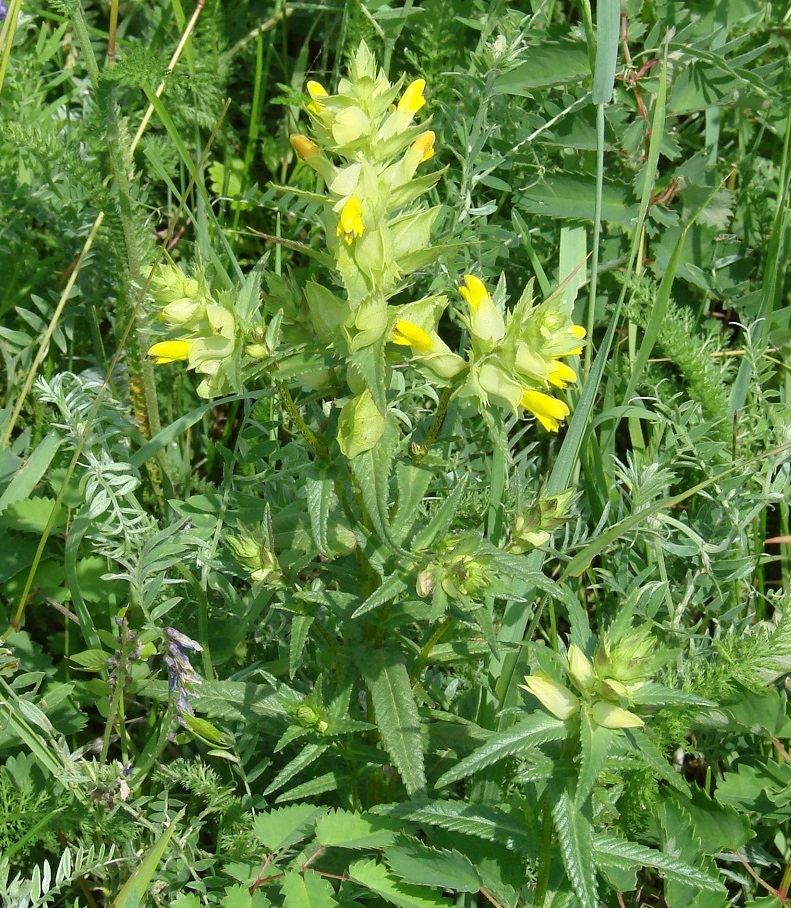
(412, 482)
(396, 712)
(416, 863)
(134, 889)
(596, 742)
(31, 515)
(481, 821)
(624, 854)
(377, 878)
(372, 472)
(576, 846)
(343, 829)
(572, 195)
(548, 63)
(309, 754)
(321, 499)
(300, 625)
(537, 728)
(441, 519)
(307, 891)
(239, 896)
(387, 590)
(719, 827)
(285, 826)
(654, 694)
(329, 781)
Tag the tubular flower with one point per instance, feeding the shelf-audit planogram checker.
(486, 323)
(425, 145)
(412, 99)
(608, 715)
(549, 411)
(556, 698)
(304, 147)
(170, 351)
(350, 223)
(560, 375)
(411, 335)
(316, 91)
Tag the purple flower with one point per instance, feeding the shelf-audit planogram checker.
(3, 10)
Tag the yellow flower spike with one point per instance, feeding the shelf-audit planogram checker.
(170, 351)
(408, 334)
(304, 147)
(350, 223)
(412, 99)
(549, 411)
(316, 91)
(473, 291)
(561, 375)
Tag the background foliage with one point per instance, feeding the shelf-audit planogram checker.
(223, 679)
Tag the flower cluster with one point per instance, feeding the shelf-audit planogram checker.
(618, 670)
(205, 329)
(367, 149)
(183, 677)
(512, 360)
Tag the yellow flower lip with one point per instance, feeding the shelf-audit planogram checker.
(408, 334)
(170, 351)
(412, 99)
(316, 91)
(304, 147)
(549, 411)
(473, 291)
(425, 145)
(350, 223)
(561, 375)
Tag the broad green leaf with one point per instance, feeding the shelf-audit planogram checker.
(574, 836)
(308, 890)
(134, 889)
(536, 728)
(377, 878)
(547, 64)
(680, 840)
(32, 470)
(188, 900)
(31, 515)
(719, 827)
(285, 826)
(343, 829)
(239, 896)
(396, 712)
(416, 863)
(572, 195)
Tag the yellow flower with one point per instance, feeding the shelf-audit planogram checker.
(316, 91)
(549, 411)
(350, 223)
(561, 375)
(412, 99)
(425, 145)
(473, 291)
(408, 334)
(486, 323)
(170, 351)
(608, 715)
(304, 147)
(577, 332)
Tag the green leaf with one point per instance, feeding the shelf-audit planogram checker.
(718, 827)
(536, 728)
(478, 820)
(372, 472)
(387, 590)
(377, 878)
(31, 515)
(441, 519)
(343, 829)
(548, 64)
(572, 195)
(307, 891)
(300, 626)
(412, 482)
(416, 863)
(134, 889)
(575, 838)
(608, 36)
(611, 850)
(396, 712)
(32, 470)
(309, 754)
(321, 502)
(328, 781)
(596, 742)
(239, 896)
(285, 826)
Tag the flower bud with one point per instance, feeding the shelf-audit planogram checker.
(554, 697)
(608, 715)
(580, 669)
(360, 426)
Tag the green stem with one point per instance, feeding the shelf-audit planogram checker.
(544, 857)
(304, 430)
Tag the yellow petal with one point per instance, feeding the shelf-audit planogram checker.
(413, 99)
(304, 147)
(425, 145)
(409, 334)
(316, 91)
(559, 700)
(549, 411)
(577, 331)
(350, 223)
(561, 375)
(473, 291)
(170, 351)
